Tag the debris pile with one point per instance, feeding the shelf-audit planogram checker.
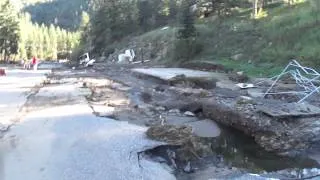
(190, 147)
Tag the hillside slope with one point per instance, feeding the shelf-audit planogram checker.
(63, 13)
(259, 47)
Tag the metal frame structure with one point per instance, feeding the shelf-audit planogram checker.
(306, 78)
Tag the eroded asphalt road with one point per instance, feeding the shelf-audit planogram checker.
(61, 138)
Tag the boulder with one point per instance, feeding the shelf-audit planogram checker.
(174, 111)
(190, 114)
(237, 57)
(160, 108)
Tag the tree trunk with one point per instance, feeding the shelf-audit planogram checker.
(5, 56)
(255, 8)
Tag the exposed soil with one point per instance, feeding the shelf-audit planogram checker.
(118, 93)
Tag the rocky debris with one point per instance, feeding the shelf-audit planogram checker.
(245, 100)
(283, 136)
(160, 108)
(174, 111)
(239, 77)
(227, 85)
(178, 120)
(190, 146)
(236, 174)
(287, 110)
(190, 82)
(188, 113)
(190, 91)
(313, 173)
(255, 92)
(186, 104)
(160, 88)
(214, 173)
(175, 135)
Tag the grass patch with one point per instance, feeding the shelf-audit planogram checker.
(250, 69)
(288, 32)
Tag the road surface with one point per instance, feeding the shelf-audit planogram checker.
(13, 91)
(63, 140)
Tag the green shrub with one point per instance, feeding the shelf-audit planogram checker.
(186, 49)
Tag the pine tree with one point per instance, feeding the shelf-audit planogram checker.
(85, 19)
(9, 30)
(187, 20)
(53, 41)
(186, 45)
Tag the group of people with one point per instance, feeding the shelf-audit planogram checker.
(33, 63)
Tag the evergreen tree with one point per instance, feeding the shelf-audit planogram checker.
(187, 20)
(173, 10)
(53, 41)
(85, 19)
(9, 30)
(186, 46)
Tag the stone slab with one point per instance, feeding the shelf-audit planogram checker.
(282, 110)
(168, 73)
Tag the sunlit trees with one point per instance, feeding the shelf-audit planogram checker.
(9, 30)
(43, 41)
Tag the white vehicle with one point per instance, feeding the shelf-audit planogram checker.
(86, 61)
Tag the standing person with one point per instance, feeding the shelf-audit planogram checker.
(34, 63)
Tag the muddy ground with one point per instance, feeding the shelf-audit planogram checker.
(120, 94)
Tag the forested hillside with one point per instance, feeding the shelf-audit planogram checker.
(257, 33)
(20, 38)
(244, 34)
(63, 13)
